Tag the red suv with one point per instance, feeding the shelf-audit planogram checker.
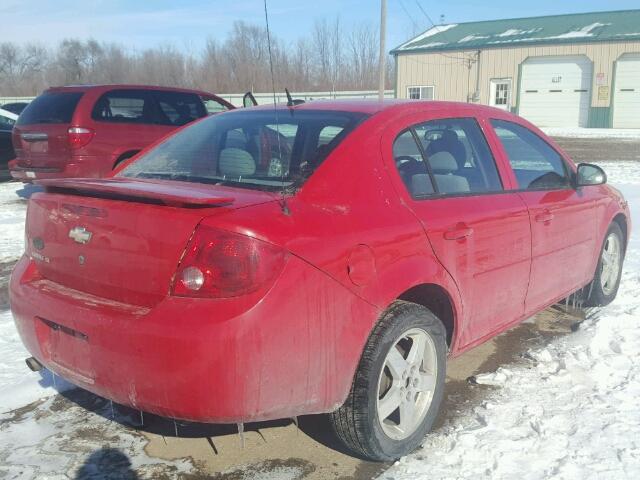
(327, 257)
(86, 131)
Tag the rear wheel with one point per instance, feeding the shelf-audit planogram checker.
(607, 278)
(398, 387)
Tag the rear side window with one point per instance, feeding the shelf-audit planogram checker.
(124, 106)
(537, 166)
(53, 107)
(458, 159)
(178, 108)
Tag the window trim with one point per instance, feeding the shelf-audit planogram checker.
(436, 195)
(432, 87)
(569, 173)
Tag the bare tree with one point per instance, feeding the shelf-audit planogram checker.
(331, 57)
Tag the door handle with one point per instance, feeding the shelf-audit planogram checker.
(545, 217)
(458, 233)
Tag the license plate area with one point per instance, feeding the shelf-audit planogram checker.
(66, 348)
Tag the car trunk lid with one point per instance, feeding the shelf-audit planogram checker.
(121, 239)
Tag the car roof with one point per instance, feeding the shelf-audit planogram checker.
(122, 86)
(371, 107)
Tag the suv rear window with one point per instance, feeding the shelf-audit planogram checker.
(264, 150)
(53, 107)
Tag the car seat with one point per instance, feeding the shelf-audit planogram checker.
(443, 165)
(235, 162)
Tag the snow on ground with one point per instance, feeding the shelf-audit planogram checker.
(18, 385)
(571, 412)
(576, 132)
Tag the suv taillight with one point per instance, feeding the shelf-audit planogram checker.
(79, 136)
(220, 264)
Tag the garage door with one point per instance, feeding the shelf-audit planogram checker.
(626, 97)
(556, 91)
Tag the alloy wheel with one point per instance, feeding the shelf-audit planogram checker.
(406, 384)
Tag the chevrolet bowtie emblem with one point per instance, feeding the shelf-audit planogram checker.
(80, 235)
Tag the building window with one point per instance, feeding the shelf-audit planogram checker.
(420, 93)
(502, 93)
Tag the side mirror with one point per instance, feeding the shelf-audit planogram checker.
(589, 174)
(249, 100)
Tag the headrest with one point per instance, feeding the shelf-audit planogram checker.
(236, 162)
(443, 162)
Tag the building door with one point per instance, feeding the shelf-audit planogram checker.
(556, 91)
(626, 97)
(500, 93)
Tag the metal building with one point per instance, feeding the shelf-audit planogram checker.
(578, 70)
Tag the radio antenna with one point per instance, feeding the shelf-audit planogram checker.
(283, 200)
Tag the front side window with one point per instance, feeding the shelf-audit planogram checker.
(453, 153)
(178, 108)
(124, 106)
(265, 150)
(537, 166)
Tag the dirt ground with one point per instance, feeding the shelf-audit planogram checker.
(309, 449)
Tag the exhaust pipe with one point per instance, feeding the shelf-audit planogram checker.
(33, 364)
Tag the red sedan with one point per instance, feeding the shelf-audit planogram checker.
(326, 257)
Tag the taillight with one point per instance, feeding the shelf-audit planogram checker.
(79, 136)
(220, 264)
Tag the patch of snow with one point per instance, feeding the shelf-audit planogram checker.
(592, 132)
(429, 33)
(18, 385)
(514, 31)
(571, 413)
(12, 213)
(470, 38)
(586, 31)
(61, 441)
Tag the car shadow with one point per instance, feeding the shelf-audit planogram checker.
(317, 427)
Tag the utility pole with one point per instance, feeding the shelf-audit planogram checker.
(383, 54)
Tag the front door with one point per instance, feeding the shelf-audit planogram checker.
(500, 93)
(479, 232)
(563, 220)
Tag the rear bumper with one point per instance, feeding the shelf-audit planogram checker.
(220, 361)
(81, 166)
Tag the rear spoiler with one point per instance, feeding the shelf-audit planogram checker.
(172, 193)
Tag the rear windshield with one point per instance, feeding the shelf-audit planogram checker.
(54, 107)
(260, 149)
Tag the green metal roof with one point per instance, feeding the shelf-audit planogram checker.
(557, 29)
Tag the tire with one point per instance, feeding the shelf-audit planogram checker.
(378, 385)
(606, 282)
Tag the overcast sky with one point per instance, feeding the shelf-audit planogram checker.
(188, 23)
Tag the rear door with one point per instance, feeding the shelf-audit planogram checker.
(125, 123)
(563, 219)
(478, 231)
(41, 133)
